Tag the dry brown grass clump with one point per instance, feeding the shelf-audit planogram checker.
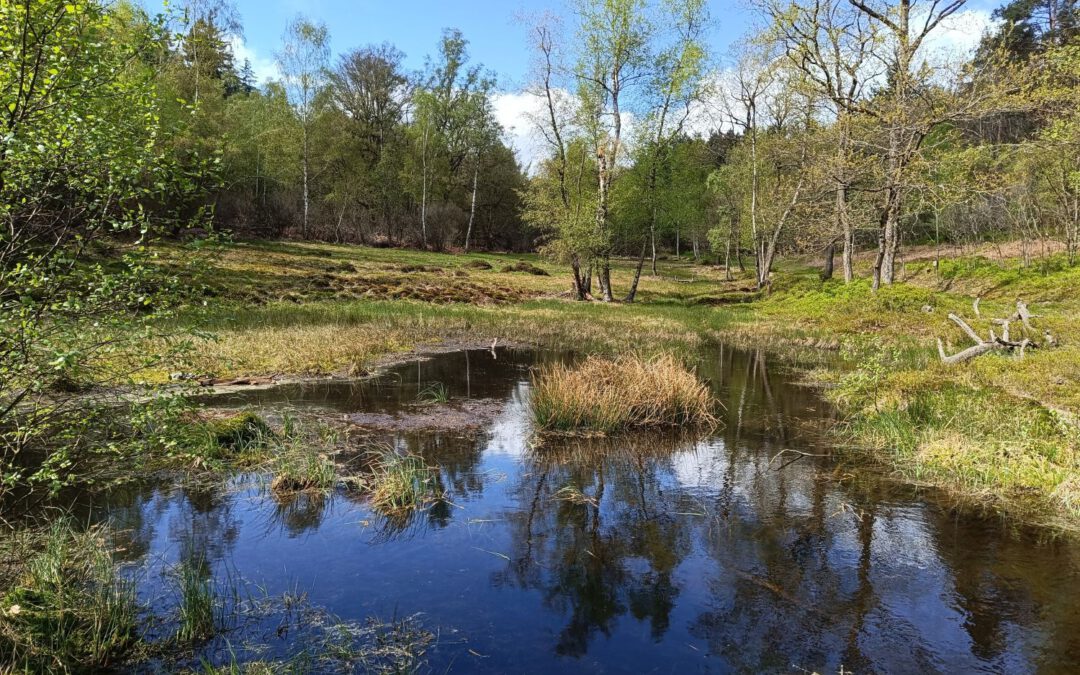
(607, 395)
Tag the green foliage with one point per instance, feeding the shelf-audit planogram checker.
(436, 392)
(398, 483)
(198, 606)
(81, 156)
(302, 470)
(974, 439)
(560, 202)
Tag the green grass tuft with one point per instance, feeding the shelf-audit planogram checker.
(398, 483)
(70, 609)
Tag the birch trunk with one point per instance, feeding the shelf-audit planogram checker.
(472, 208)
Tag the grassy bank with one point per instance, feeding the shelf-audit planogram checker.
(997, 429)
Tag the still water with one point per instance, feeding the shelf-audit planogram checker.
(651, 553)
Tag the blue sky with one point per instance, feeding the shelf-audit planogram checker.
(492, 27)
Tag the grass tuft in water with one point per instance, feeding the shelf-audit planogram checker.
(68, 609)
(607, 395)
(240, 432)
(304, 470)
(398, 482)
(198, 618)
(434, 393)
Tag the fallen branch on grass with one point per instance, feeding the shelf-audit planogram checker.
(1004, 342)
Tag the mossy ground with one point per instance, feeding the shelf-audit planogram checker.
(993, 427)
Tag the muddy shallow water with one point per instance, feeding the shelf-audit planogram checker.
(651, 553)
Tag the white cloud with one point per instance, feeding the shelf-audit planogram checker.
(265, 68)
(960, 34)
(517, 112)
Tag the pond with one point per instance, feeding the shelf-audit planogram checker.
(649, 553)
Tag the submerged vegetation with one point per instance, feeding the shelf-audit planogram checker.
(608, 395)
(64, 607)
(68, 606)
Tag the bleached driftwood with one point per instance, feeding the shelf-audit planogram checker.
(1004, 342)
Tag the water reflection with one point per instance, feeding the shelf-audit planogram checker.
(655, 552)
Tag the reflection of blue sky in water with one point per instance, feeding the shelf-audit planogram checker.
(651, 553)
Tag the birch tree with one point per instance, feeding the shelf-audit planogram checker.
(831, 42)
(613, 38)
(303, 61)
(675, 85)
(554, 199)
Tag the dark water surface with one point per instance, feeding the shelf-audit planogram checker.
(646, 554)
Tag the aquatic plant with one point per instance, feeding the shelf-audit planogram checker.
(198, 618)
(398, 482)
(300, 470)
(333, 645)
(436, 392)
(240, 432)
(68, 609)
(607, 395)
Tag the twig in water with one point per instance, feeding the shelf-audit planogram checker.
(800, 454)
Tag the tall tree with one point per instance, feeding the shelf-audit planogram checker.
(614, 38)
(1030, 27)
(901, 108)
(831, 43)
(554, 198)
(303, 61)
(204, 27)
(446, 106)
(675, 85)
(371, 88)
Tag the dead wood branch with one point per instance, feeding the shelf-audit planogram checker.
(995, 343)
(799, 454)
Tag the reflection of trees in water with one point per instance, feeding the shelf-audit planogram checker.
(297, 512)
(598, 536)
(203, 524)
(817, 576)
(759, 402)
(456, 457)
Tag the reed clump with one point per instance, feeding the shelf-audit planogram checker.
(199, 605)
(300, 471)
(67, 608)
(398, 483)
(608, 395)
